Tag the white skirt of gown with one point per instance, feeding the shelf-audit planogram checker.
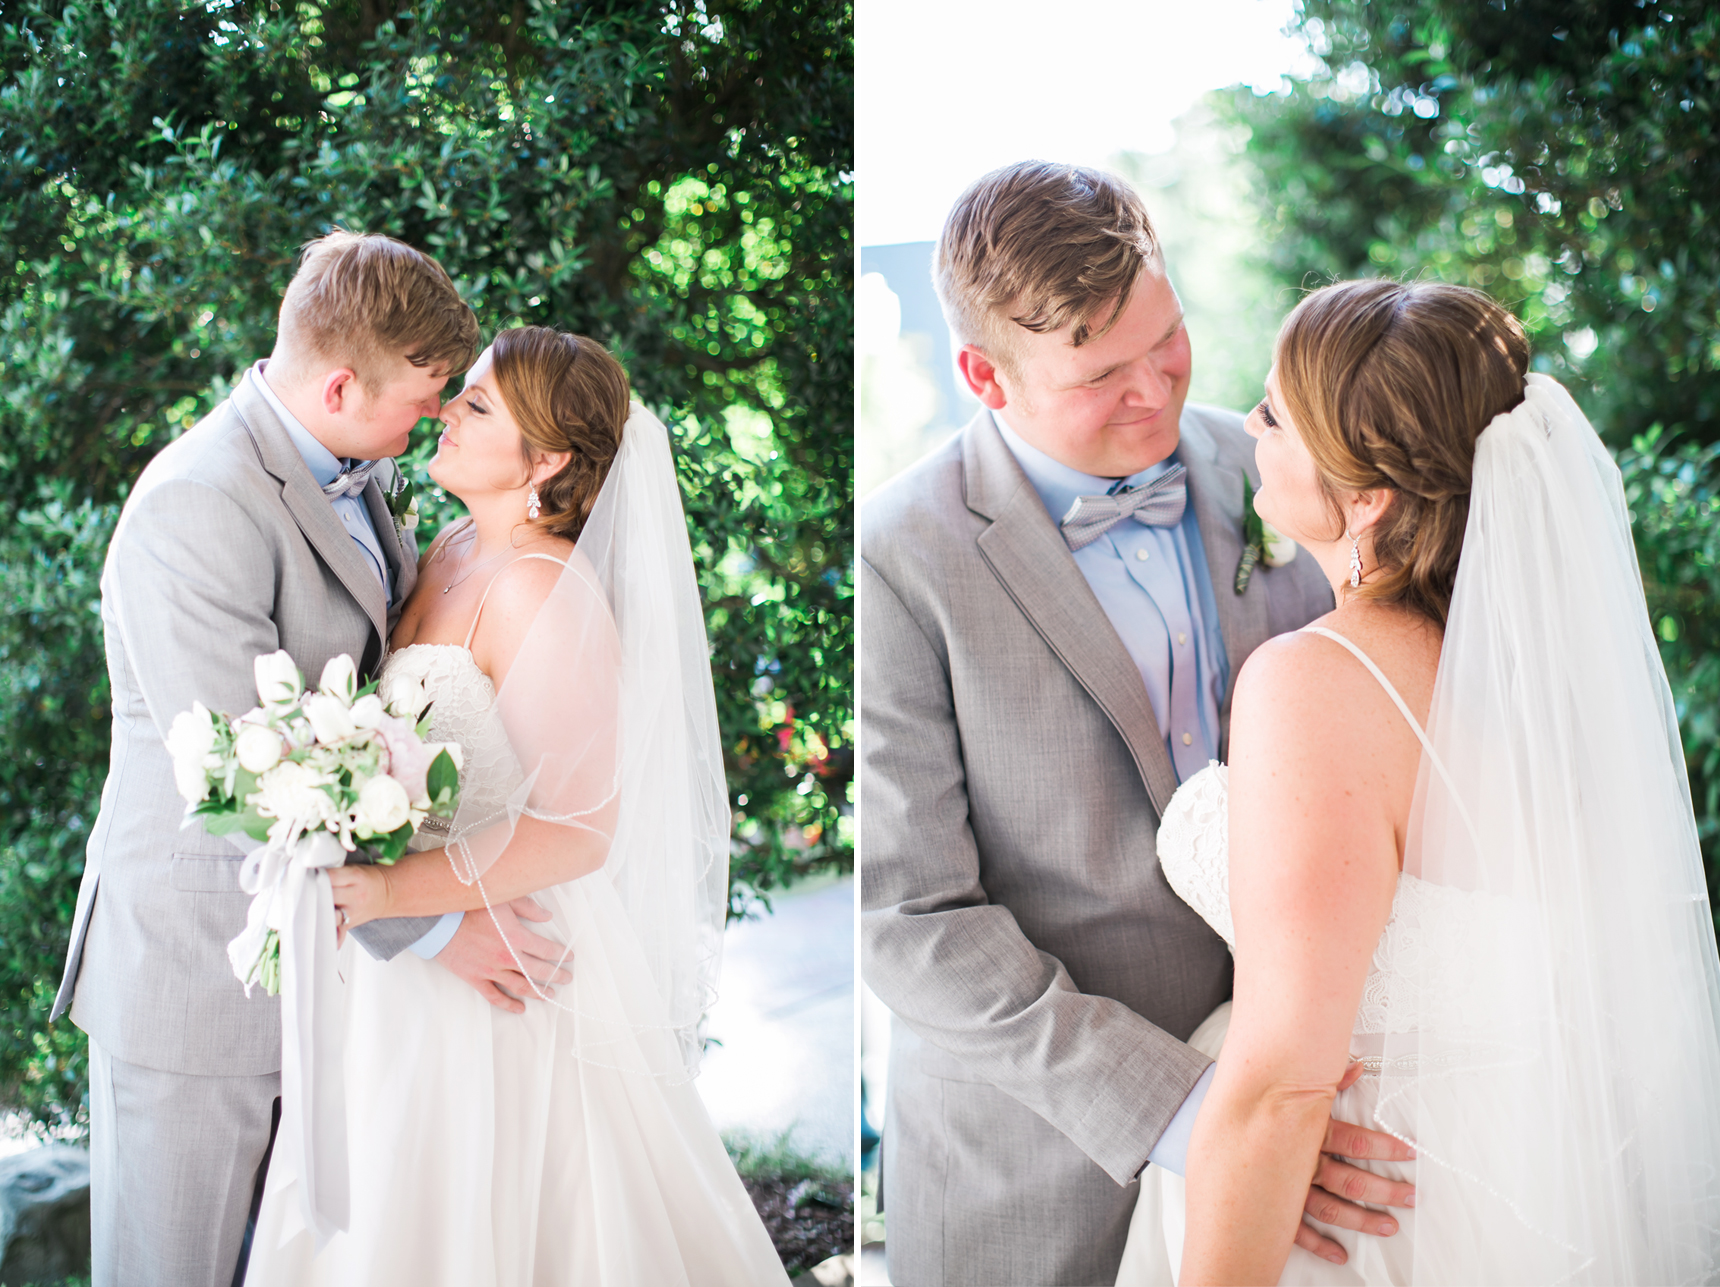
(1153, 1255)
(485, 1153)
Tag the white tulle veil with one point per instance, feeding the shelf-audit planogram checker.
(609, 710)
(1554, 1047)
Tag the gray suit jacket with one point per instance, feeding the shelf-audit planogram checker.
(226, 549)
(1042, 973)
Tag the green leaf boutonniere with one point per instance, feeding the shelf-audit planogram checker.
(403, 505)
(1261, 542)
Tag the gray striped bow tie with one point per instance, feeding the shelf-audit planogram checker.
(1159, 503)
(351, 480)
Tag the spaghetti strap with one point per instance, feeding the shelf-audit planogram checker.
(492, 585)
(1421, 733)
(1378, 674)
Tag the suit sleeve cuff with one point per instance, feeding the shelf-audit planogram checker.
(439, 937)
(1171, 1152)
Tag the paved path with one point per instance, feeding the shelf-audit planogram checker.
(785, 1016)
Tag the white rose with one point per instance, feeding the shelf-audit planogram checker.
(367, 711)
(294, 791)
(278, 681)
(382, 806)
(329, 717)
(259, 748)
(403, 696)
(1280, 549)
(409, 519)
(340, 679)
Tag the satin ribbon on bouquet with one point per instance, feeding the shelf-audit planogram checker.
(292, 897)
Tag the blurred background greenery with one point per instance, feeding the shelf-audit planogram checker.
(671, 178)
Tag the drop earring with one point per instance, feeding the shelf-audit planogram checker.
(1355, 561)
(533, 508)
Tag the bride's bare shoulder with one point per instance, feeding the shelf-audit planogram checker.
(1308, 687)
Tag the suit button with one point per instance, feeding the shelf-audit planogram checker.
(1188, 739)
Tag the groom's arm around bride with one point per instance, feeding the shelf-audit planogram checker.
(1032, 692)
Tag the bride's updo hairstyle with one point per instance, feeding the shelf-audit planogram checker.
(1389, 384)
(566, 393)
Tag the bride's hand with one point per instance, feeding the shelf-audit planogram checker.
(360, 895)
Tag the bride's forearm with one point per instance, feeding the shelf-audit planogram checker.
(1251, 1157)
(539, 854)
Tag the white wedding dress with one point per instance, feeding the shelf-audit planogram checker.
(1193, 849)
(485, 1153)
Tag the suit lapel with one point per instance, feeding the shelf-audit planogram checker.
(402, 570)
(1030, 559)
(1215, 490)
(310, 508)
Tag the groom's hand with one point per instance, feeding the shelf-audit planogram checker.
(1338, 1186)
(480, 956)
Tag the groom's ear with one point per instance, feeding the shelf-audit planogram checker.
(340, 391)
(981, 374)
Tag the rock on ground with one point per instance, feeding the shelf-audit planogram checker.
(44, 1215)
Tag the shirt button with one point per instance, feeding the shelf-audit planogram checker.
(1181, 637)
(1188, 739)
(1142, 555)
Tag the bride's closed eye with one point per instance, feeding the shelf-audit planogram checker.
(1266, 414)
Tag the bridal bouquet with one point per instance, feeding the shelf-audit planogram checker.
(315, 775)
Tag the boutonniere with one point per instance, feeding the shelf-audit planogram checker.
(1261, 542)
(403, 505)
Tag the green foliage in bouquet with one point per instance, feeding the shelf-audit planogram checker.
(1565, 157)
(670, 178)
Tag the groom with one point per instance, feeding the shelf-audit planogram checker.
(1049, 638)
(266, 526)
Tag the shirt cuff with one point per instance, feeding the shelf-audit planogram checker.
(438, 938)
(1171, 1152)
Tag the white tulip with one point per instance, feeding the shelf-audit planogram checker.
(191, 735)
(1280, 549)
(382, 806)
(329, 717)
(191, 781)
(409, 519)
(278, 679)
(340, 679)
(367, 711)
(403, 696)
(259, 748)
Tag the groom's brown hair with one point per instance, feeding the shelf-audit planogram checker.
(1040, 246)
(363, 300)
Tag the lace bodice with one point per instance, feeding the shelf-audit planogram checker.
(1194, 853)
(462, 709)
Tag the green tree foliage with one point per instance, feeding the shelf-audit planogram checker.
(1561, 154)
(670, 178)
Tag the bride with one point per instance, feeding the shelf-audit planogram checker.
(556, 635)
(1453, 851)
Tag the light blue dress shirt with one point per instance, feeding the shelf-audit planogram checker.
(1154, 586)
(355, 517)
